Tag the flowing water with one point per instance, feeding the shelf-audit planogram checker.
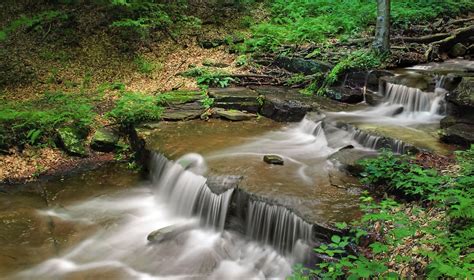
(96, 226)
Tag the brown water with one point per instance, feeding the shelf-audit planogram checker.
(306, 183)
(28, 236)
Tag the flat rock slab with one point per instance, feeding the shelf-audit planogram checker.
(235, 115)
(273, 159)
(187, 111)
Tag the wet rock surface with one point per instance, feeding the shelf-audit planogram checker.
(235, 115)
(273, 159)
(345, 94)
(349, 159)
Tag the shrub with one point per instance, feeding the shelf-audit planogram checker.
(35, 121)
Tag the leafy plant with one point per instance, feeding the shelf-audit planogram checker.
(145, 66)
(35, 121)
(207, 102)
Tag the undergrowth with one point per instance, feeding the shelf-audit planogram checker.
(302, 21)
(35, 121)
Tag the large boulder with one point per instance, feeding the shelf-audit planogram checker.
(72, 141)
(284, 110)
(104, 140)
(463, 95)
(460, 134)
(345, 94)
(458, 126)
(457, 50)
(360, 79)
(301, 65)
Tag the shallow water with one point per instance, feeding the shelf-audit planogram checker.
(95, 226)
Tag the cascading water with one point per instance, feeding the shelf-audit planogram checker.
(375, 142)
(414, 100)
(276, 225)
(186, 192)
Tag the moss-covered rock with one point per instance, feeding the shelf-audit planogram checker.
(104, 140)
(72, 141)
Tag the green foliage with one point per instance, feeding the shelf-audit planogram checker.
(35, 121)
(36, 22)
(135, 107)
(207, 102)
(242, 60)
(446, 238)
(361, 60)
(397, 173)
(177, 97)
(136, 19)
(145, 66)
(208, 78)
(215, 80)
(295, 79)
(303, 21)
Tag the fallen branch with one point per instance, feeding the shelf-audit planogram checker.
(423, 39)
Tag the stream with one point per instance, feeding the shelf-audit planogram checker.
(97, 224)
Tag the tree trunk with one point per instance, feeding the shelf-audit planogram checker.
(382, 28)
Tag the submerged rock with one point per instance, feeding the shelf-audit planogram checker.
(104, 140)
(235, 115)
(168, 233)
(72, 141)
(349, 159)
(273, 159)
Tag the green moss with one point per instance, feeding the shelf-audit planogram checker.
(71, 141)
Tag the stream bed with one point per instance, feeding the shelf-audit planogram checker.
(211, 208)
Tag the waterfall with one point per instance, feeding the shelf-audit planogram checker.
(378, 142)
(276, 225)
(413, 99)
(187, 192)
(213, 208)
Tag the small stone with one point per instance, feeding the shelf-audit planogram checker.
(273, 159)
(104, 140)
